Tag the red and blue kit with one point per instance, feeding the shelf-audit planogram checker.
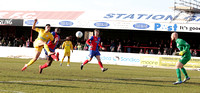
(94, 42)
(51, 45)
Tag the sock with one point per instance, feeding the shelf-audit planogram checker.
(62, 60)
(44, 66)
(30, 62)
(184, 72)
(54, 57)
(46, 48)
(85, 62)
(178, 72)
(100, 64)
(68, 62)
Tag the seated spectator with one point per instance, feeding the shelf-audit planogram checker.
(159, 53)
(112, 46)
(165, 52)
(129, 44)
(151, 52)
(9, 43)
(141, 51)
(174, 52)
(27, 43)
(191, 51)
(79, 47)
(194, 53)
(147, 52)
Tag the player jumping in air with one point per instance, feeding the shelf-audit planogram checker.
(184, 48)
(40, 42)
(52, 47)
(94, 50)
(67, 45)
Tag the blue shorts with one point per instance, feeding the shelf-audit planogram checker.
(52, 50)
(94, 53)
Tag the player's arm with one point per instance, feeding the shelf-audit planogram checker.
(33, 27)
(185, 48)
(71, 46)
(63, 45)
(88, 41)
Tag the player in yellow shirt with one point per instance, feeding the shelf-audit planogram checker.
(67, 45)
(40, 42)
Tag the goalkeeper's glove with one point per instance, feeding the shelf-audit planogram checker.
(182, 53)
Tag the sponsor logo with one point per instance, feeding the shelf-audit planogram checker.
(66, 23)
(141, 26)
(30, 22)
(187, 28)
(172, 27)
(101, 24)
(6, 22)
(132, 59)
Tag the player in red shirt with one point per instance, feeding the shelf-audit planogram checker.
(94, 42)
(52, 46)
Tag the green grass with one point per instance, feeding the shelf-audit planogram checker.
(118, 79)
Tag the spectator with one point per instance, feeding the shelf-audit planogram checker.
(112, 46)
(141, 51)
(119, 48)
(191, 51)
(129, 44)
(151, 52)
(9, 43)
(79, 47)
(194, 53)
(159, 53)
(27, 43)
(16, 42)
(147, 52)
(174, 52)
(165, 52)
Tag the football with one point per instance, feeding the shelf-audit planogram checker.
(79, 34)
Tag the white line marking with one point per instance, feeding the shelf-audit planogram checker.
(12, 91)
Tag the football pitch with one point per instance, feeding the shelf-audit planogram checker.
(63, 79)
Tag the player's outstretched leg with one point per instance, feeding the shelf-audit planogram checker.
(101, 65)
(42, 67)
(68, 61)
(54, 57)
(85, 62)
(186, 75)
(178, 72)
(57, 55)
(25, 66)
(104, 69)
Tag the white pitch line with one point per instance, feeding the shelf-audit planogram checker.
(12, 91)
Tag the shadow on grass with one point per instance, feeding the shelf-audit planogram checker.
(192, 83)
(131, 83)
(144, 80)
(42, 85)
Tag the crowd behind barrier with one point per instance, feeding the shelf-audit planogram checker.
(127, 46)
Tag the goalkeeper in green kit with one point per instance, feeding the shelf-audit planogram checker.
(183, 46)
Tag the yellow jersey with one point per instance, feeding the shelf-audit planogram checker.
(44, 36)
(67, 45)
